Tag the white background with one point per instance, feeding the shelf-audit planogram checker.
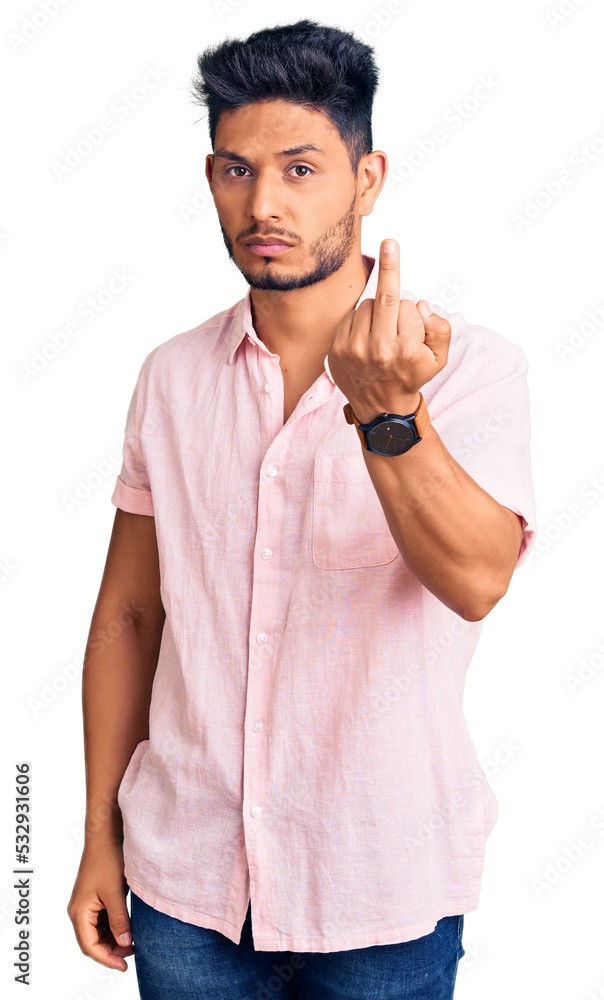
(462, 219)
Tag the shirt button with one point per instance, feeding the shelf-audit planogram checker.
(257, 726)
(257, 811)
(266, 553)
(271, 471)
(269, 387)
(262, 637)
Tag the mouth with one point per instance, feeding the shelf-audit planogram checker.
(267, 249)
(270, 248)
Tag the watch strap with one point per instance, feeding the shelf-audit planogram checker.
(422, 419)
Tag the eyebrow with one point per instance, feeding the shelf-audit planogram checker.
(307, 147)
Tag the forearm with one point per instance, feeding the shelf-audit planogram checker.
(460, 543)
(119, 667)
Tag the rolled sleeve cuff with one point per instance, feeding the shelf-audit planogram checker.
(132, 500)
(528, 537)
(528, 529)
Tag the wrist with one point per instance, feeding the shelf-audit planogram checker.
(103, 821)
(403, 405)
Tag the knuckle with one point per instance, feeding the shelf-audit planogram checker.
(409, 351)
(119, 923)
(387, 298)
(384, 357)
(356, 353)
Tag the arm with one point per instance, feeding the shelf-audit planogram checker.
(119, 666)
(453, 535)
(458, 541)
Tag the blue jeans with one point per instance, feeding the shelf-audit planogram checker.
(176, 960)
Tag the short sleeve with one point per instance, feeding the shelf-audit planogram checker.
(485, 425)
(132, 490)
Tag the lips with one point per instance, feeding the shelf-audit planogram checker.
(268, 249)
(268, 242)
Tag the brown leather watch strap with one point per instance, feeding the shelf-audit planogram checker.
(422, 419)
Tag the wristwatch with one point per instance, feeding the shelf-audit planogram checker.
(391, 433)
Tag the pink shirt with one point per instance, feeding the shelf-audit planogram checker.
(308, 748)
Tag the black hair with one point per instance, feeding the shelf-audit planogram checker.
(306, 63)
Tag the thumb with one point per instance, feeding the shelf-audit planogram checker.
(118, 919)
(438, 331)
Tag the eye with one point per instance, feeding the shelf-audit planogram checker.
(296, 166)
(237, 166)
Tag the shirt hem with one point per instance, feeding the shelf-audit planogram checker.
(398, 935)
(182, 913)
(285, 942)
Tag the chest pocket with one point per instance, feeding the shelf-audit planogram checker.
(349, 527)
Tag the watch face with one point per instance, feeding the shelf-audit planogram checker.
(392, 437)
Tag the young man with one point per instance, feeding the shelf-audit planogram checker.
(325, 488)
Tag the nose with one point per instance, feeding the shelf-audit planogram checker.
(264, 202)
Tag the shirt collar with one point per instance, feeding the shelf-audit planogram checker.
(242, 321)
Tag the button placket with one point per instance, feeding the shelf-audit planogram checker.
(264, 607)
(265, 586)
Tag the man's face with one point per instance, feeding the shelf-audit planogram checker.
(308, 198)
